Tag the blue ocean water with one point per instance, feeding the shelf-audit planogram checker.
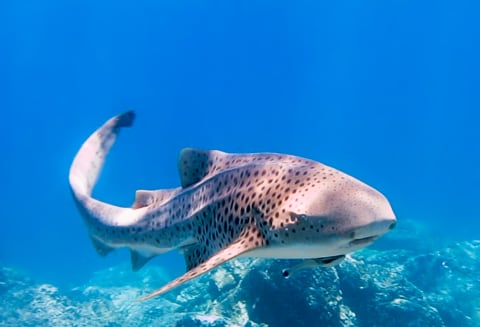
(385, 91)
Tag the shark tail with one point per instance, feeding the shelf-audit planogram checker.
(89, 161)
(84, 173)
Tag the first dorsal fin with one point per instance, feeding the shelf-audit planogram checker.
(195, 164)
(144, 198)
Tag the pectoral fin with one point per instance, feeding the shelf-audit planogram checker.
(250, 239)
(313, 263)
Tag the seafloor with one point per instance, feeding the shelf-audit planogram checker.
(406, 280)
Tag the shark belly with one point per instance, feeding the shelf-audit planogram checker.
(296, 251)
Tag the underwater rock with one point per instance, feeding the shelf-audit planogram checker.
(26, 303)
(309, 296)
(450, 279)
(370, 288)
(377, 290)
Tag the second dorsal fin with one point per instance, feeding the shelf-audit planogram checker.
(144, 198)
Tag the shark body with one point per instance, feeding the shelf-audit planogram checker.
(230, 205)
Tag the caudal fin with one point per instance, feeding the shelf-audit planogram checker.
(84, 172)
(88, 162)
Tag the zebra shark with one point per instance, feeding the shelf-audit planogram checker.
(229, 205)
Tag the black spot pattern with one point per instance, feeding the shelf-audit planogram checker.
(249, 201)
(234, 188)
(227, 204)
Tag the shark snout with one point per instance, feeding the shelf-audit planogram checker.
(369, 233)
(366, 235)
(378, 218)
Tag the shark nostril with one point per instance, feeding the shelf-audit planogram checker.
(352, 235)
(392, 226)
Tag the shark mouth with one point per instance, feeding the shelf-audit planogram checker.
(364, 241)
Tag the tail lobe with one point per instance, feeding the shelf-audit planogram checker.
(88, 162)
(84, 173)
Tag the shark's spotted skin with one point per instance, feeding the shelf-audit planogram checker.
(230, 205)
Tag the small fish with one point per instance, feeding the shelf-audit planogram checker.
(229, 205)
